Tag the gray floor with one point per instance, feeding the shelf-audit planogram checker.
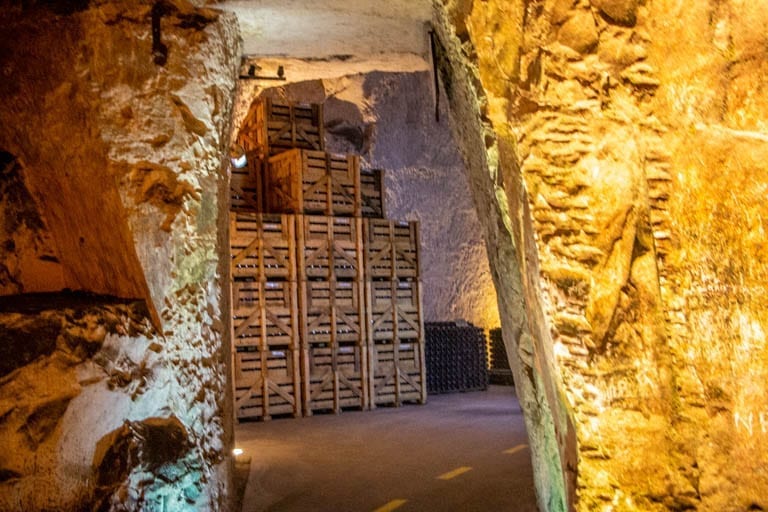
(392, 459)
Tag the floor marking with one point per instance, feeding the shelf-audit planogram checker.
(516, 449)
(453, 474)
(392, 505)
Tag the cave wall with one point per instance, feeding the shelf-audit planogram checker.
(626, 141)
(389, 119)
(121, 142)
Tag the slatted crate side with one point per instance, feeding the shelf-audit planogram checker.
(267, 382)
(396, 373)
(332, 312)
(246, 189)
(253, 130)
(372, 193)
(294, 125)
(331, 183)
(273, 126)
(391, 249)
(263, 246)
(334, 377)
(330, 247)
(313, 182)
(265, 314)
(394, 311)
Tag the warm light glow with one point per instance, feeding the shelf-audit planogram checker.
(237, 452)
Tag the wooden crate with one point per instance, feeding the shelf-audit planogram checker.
(246, 189)
(372, 193)
(263, 246)
(393, 311)
(273, 126)
(332, 312)
(267, 382)
(265, 314)
(334, 377)
(313, 182)
(397, 373)
(391, 249)
(330, 247)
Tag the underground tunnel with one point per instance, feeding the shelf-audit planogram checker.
(588, 175)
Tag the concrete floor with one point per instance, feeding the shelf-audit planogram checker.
(461, 452)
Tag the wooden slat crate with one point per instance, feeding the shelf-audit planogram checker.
(265, 314)
(246, 188)
(273, 126)
(313, 182)
(267, 382)
(397, 373)
(330, 247)
(332, 312)
(394, 311)
(263, 246)
(391, 249)
(372, 193)
(334, 377)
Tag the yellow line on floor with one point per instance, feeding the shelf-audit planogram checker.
(453, 474)
(515, 449)
(392, 505)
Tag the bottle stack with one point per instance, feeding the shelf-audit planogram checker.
(456, 357)
(320, 332)
(500, 372)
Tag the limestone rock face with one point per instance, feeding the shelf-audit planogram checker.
(120, 133)
(628, 164)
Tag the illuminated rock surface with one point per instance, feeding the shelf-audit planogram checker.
(628, 144)
(117, 189)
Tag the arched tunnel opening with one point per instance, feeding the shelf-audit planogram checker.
(615, 154)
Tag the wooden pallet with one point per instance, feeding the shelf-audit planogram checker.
(263, 246)
(267, 382)
(332, 312)
(394, 311)
(397, 373)
(391, 249)
(273, 126)
(246, 189)
(313, 182)
(330, 247)
(372, 193)
(265, 314)
(334, 377)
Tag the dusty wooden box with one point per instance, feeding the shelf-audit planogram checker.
(313, 182)
(263, 246)
(334, 377)
(267, 382)
(372, 193)
(394, 311)
(391, 249)
(273, 126)
(246, 189)
(330, 247)
(332, 312)
(265, 314)
(397, 373)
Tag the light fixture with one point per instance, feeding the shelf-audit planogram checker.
(237, 156)
(237, 452)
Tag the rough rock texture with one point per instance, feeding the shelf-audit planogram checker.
(29, 259)
(627, 141)
(136, 207)
(389, 119)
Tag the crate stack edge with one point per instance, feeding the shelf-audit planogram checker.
(394, 305)
(265, 328)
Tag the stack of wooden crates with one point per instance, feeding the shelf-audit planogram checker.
(326, 302)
